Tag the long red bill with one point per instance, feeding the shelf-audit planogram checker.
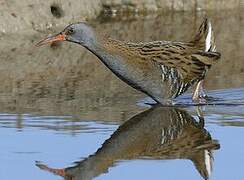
(55, 38)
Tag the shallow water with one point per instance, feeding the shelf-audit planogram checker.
(60, 108)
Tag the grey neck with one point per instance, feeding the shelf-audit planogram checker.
(113, 62)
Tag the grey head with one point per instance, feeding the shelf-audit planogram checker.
(80, 33)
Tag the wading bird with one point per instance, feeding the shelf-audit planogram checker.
(161, 69)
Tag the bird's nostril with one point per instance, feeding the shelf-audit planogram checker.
(56, 11)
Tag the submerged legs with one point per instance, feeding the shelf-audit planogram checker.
(199, 94)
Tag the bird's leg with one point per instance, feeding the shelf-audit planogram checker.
(199, 94)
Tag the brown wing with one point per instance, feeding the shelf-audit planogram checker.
(187, 61)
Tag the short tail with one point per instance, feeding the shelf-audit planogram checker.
(205, 37)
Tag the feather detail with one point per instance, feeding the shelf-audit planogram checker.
(204, 38)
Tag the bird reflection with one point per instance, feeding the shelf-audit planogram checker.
(157, 133)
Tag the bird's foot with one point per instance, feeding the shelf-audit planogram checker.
(205, 99)
(200, 99)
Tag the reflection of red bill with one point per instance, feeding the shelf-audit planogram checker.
(55, 38)
(59, 172)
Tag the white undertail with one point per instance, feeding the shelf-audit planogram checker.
(209, 42)
(208, 162)
(208, 39)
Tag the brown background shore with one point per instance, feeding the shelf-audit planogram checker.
(25, 15)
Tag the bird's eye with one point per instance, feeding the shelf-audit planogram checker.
(70, 31)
